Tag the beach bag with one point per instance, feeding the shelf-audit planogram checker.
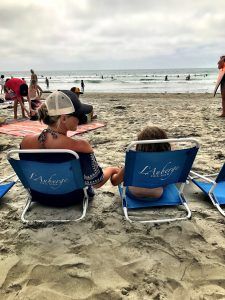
(24, 89)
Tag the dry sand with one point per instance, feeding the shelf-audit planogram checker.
(105, 257)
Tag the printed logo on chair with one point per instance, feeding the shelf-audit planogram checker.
(162, 173)
(51, 181)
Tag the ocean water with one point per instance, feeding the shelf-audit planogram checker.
(128, 81)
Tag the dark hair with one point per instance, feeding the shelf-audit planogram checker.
(2, 76)
(153, 133)
(24, 89)
(80, 116)
(73, 89)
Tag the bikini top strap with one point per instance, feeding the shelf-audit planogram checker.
(43, 136)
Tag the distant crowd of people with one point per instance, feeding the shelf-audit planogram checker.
(17, 90)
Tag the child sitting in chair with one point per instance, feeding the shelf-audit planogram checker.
(148, 133)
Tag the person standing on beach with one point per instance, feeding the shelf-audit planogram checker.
(82, 85)
(33, 76)
(47, 82)
(17, 88)
(221, 82)
(2, 83)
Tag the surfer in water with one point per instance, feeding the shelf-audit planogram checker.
(221, 82)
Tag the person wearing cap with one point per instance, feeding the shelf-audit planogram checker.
(17, 88)
(89, 116)
(62, 112)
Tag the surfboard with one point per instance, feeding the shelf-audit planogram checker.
(219, 79)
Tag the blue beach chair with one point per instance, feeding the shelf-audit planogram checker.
(212, 185)
(157, 169)
(47, 174)
(5, 187)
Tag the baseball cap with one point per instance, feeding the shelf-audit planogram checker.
(64, 102)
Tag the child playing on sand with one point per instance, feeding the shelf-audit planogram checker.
(148, 133)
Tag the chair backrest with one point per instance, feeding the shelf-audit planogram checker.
(48, 177)
(221, 176)
(155, 169)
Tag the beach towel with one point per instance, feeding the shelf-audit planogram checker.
(22, 128)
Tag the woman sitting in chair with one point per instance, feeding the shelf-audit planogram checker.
(148, 133)
(62, 112)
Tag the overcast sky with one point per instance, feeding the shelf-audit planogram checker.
(110, 34)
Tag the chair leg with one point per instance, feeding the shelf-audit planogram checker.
(26, 221)
(216, 204)
(188, 216)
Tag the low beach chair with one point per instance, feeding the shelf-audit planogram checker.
(47, 173)
(5, 186)
(212, 185)
(157, 169)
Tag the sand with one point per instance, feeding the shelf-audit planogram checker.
(104, 256)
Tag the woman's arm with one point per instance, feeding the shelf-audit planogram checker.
(107, 173)
(39, 91)
(117, 178)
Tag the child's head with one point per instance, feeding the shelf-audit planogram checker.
(153, 133)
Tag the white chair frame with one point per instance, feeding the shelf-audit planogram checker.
(29, 199)
(181, 195)
(210, 194)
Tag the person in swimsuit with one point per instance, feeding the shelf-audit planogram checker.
(33, 76)
(62, 112)
(34, 92)
(221, 67)
(148, 133)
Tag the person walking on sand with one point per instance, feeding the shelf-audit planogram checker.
(33, 76)
(82, 85)
(221, 82)
(47, 82)
(17, 88)
(62, 112)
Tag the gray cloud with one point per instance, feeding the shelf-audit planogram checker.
(84, 34)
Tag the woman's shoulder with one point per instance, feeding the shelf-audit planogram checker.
(29, 142)
(78, 145)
